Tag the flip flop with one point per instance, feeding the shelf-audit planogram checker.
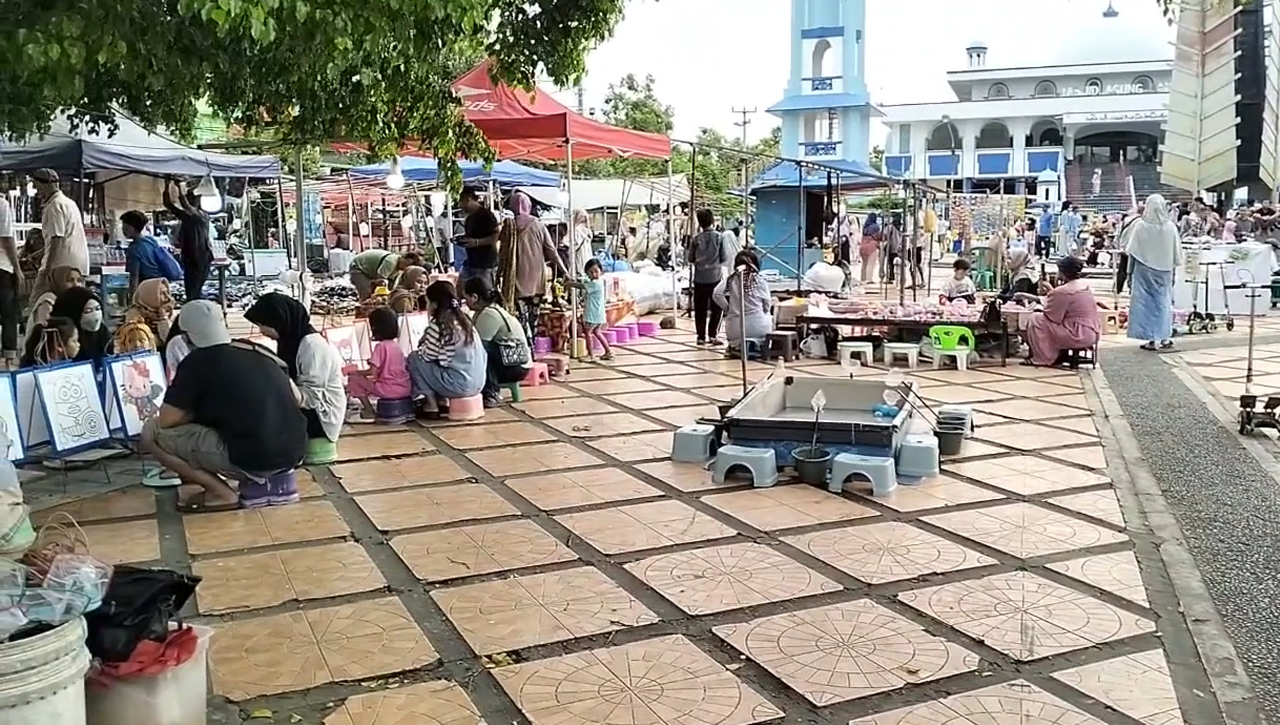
(1148, 346)
(196, 505)
(1028, 363)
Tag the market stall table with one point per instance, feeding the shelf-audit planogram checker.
(554, 324)
(899, 326)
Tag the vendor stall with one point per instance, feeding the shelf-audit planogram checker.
(1249, 262)
(910, 323)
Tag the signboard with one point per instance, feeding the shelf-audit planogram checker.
(1075, 119)
(1113, 89)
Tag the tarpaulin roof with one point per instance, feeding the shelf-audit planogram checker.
(848, 174)
(616, 193)
(131, 149)
(505, 173)
(535, 126)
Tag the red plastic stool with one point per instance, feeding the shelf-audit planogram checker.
(469, 408)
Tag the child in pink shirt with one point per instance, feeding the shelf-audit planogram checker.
(388, 373)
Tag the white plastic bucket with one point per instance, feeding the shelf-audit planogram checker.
(175, 697)
(42, 678)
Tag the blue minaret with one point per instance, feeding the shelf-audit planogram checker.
(826, 111)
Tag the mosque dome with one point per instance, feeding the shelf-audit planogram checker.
(1086, 36)
(976, 45)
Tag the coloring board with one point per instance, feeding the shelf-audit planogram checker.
(345, 341)
(9, 419)
(412, 327)
(364, 338)
(137, 385)
(31, 417)
(72, 406)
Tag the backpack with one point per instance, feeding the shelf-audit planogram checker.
(169, 266)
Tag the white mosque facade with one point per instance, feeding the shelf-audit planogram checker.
(1090, 99)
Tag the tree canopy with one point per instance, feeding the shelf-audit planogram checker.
(376, 72)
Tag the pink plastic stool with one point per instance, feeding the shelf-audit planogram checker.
(541, 345)
(611, 337)
(621, 334)
(633, 329)
(469, 408)
(647, 328)
(538, 375)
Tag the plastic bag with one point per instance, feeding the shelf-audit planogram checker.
(814, 346)
(81, 574)
(138, 605)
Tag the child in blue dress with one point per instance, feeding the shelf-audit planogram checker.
(593, 312)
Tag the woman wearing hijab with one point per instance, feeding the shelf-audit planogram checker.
(1022, 280)
(576, 244)
(60, 279)
(313, 364)
(1068, 320)
(1154, 253)
(84, 308)
(152, 306)
(746, 301)
(534, 250)
(869, 247)
(413, 280)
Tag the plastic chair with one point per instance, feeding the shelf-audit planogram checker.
(953, 340)
(983, 260)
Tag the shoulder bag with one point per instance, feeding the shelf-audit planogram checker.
(514, 350)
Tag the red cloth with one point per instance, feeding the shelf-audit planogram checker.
(151, 658)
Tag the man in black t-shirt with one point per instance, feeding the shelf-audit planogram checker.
(230, 412)
(193, 238)
(480, 237)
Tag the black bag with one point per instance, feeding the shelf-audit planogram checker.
(513, 351)
(138, 605)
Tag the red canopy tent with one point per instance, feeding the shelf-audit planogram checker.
(537, 127)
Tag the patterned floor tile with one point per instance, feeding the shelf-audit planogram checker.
(125, 503)
(1025, 530)
(607, 425)
(688, 477)
(1083, 425)
(588, 372)
(698, 380)
(644, 526)
(1024, 615)
(720, 578)
(962, 377)
(663, 681)
(1072, 400)
(785, 507)
(960, 394)
(232, 530)
(533, 459)
(1023, 409)
(726, 394)
(1138, 685)
(490, 436)
(1092, 456)
(1030, 436)
(687, 415)
(1027, 388)
(1012, 703)
(510, 614)
(562, 407)
(653, 400)
(380, 475)
(890, 551)
(433, 506)
(473, 550)
(620, 385)
(580, 488)
(368, 639)
(653, 370)
(258, 581)
(974, 449)
(1101, 505)
(547, 392)
(642, 447)
(129, 542)
(382, 446)
(436, 703)
(1026, 475)
(1116, 573)
(846, 651)
(937, 492)
(265, 656)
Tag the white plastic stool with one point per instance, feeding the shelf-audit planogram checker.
(864, 350)
(693, 444)
(910, 350)
(961, 354)
(880, 471)
(762, 463)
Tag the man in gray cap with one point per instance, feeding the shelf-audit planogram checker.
(62, 226)
(231, 412)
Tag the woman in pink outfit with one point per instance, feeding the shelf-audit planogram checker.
(1069, 320)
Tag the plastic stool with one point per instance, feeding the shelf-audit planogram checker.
(1109, 322)
(541, 345)
(321, 451)
(394, 411)
(538, 374)
(918, 455)
(865, 350)
(610, 336)
(762, 463)
(468, 408)
(633, 329)
(621, 334)
(960, 415)
(694, 444)
(514, 389)
(879, 470)
(783, 344)
(647, 328)
(910, 350)
(580, 347)
(953, 340)
(556, 363)
(277, 490)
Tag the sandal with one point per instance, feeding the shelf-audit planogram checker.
(1166, 345)
(1028, 363)
(1148, 346)
(196, 505)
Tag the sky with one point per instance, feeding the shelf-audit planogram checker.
(709, 57)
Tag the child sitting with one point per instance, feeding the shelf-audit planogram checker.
(54, 340)
(593, 307)
(959, 286)
(388, 373)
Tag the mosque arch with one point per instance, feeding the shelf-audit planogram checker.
(1046, 89)
(819, 58)
(944, 137)
(998, 90)
(1144, 84)
(1044, 132)
(994, 135)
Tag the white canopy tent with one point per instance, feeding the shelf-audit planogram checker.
(592, 194)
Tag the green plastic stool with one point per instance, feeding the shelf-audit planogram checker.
(952, 340)
(321, 451)
(516, 396)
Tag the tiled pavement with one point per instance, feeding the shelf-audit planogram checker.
(550, 561)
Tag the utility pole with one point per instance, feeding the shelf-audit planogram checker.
(746, 114)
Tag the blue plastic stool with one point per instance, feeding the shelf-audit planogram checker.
(394, 411)
(761, 463)
(880, 471)
(694, 444)
(918, 456)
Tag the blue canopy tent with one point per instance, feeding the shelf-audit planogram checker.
(785, 219)
(426, 170)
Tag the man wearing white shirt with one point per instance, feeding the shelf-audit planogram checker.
(10, 283)
(62, 226)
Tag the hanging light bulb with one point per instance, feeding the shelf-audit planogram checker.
(395, 178)
(210, 197)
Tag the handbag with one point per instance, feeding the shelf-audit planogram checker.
(513, 351)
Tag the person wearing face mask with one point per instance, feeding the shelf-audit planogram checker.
(83, 307)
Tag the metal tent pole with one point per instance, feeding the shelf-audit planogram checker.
(300, 228)
(575, 265)
(671, 237)
(800, 230)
